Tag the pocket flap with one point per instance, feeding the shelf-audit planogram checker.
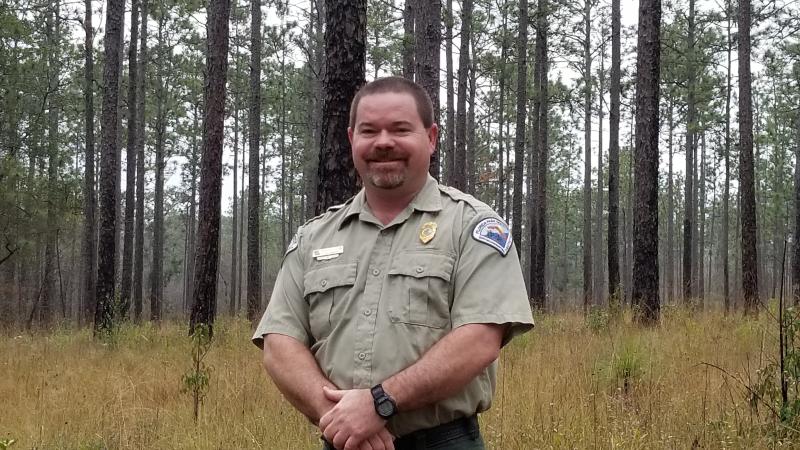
(423, 264)
(324, 278)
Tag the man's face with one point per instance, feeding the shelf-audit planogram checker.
(391, 147)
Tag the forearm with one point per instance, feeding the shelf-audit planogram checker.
(297, 375)
(447, 367)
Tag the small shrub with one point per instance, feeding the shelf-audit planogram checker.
(598, 320)
(195, 381)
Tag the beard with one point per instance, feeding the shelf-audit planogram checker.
(385, 170)
(386, 179)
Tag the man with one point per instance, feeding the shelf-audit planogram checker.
(389, 311)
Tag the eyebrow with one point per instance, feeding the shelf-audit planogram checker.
(393, 124)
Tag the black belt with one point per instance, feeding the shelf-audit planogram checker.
(465, 426)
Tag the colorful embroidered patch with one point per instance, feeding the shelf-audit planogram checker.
(495, 233)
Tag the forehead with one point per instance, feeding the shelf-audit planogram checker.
(387, 106)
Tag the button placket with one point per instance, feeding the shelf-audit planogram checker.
(366, 322)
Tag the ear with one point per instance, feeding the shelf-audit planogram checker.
(350, 135)
(433, 137)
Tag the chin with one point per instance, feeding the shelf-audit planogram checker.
(387, 181)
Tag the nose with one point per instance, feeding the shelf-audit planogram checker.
(384, 139)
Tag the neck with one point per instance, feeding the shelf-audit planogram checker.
(386, 204)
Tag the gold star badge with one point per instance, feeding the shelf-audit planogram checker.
(427, 232)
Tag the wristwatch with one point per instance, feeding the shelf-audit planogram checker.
(385, 405)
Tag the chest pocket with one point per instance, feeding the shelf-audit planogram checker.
(326, 290)
(420, 289)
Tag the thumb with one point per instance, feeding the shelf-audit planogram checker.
(333, 395)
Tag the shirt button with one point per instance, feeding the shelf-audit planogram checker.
(376, 272)
(419, 269)
(324, 283)
(362, 355)
(367, 312)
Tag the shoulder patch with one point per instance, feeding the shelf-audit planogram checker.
(292, 245)
(495, 233)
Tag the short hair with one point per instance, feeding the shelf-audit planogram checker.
(396, 85)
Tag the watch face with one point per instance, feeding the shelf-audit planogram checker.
(385, 408)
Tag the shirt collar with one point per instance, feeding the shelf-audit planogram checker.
(426, 200)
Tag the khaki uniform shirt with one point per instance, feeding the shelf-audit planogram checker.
(375, 298)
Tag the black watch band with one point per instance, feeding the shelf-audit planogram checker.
(385, 405)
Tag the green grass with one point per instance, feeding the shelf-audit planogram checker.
(570, 383)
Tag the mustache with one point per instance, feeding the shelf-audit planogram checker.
(383, 155)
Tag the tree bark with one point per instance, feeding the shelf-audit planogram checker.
(103, 318)
(746, 170)
(701, 236)
(691, 125)
(138, 257)
(235, 206)
(427, 45)
(726, 196)
(519, 140)
(449, 144)
(345, 65)
(588, 282)
(459, 180)
(614, 285)
(539, 227)
(670, 209)
(254, 141)
(130, 172)
(207, 260)
(645, 227)
(408, 40)
(89, 198)
(501, 164)
(599, 273)
(156, 283)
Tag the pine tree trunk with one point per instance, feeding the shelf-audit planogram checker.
(701, 237)
(427, 45)
(204, 307)
(156, 283)
(746, 170)
(235, 206)
(46, 309)
(408, 40)
(138, 257)
(588, 281)
(726, 195)
(130, 172)
(471, 150)
(501, 164)
(539, 227)
(254, 141)
(645, 226)
(614, 288)
(599, 271)
(670, 210)
(345, 65)
(519, 140)
(460, 159)
(449, 144)
(796, 246)
(89, 241)
(103, 318)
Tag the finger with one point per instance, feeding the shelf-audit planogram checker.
(387, 439)
(376, 442)
(324, 421)
(353, 444)
(339, 440)
(330, 433)
(333, 395)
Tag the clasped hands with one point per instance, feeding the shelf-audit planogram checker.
(352, 423)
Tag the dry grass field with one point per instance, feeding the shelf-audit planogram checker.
(571, 383)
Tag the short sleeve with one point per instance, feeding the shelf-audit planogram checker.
(488, 285)
(287, 311)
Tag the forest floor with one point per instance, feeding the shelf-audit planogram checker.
(572, 382)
